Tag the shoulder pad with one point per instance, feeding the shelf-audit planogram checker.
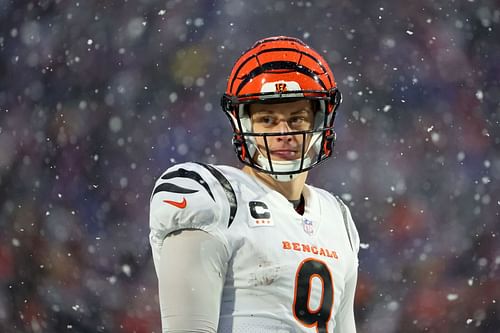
(188, 196)
(352, 232)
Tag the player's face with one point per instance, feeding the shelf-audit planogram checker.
(282, 118)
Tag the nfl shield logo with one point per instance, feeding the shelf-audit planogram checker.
(308, 226)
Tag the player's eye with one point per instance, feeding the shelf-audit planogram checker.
(299, 122)
(265, 120)
(296, 120)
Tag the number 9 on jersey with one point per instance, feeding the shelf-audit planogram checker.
(308, 270)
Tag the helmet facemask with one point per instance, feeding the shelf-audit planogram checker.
(316, 143)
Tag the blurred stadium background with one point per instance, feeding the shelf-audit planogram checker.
(97, 98)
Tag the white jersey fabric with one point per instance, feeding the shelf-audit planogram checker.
(278, 271)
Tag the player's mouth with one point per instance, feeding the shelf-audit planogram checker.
(284, 154)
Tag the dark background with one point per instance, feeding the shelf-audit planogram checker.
(97, 98)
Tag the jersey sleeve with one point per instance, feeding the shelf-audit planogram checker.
(344, 317)
(187, 196)
(190, 299)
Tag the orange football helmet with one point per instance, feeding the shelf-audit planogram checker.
(279, 70)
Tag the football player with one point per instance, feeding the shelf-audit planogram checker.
(257, 249)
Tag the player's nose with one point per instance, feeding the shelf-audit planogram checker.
(284, 128)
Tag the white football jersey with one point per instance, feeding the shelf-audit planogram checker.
(287, 272)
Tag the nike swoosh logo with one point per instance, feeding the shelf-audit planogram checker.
(179, 204)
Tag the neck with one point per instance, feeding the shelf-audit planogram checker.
(290, 190)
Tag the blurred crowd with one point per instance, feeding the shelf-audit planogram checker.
(97, 98)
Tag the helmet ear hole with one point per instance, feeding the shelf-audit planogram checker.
(335, 98)
(225, 103)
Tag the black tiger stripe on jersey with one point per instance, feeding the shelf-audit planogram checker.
(226, 185)
(183, 173)
(167, 187)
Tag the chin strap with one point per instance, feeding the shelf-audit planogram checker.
(285, 178)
